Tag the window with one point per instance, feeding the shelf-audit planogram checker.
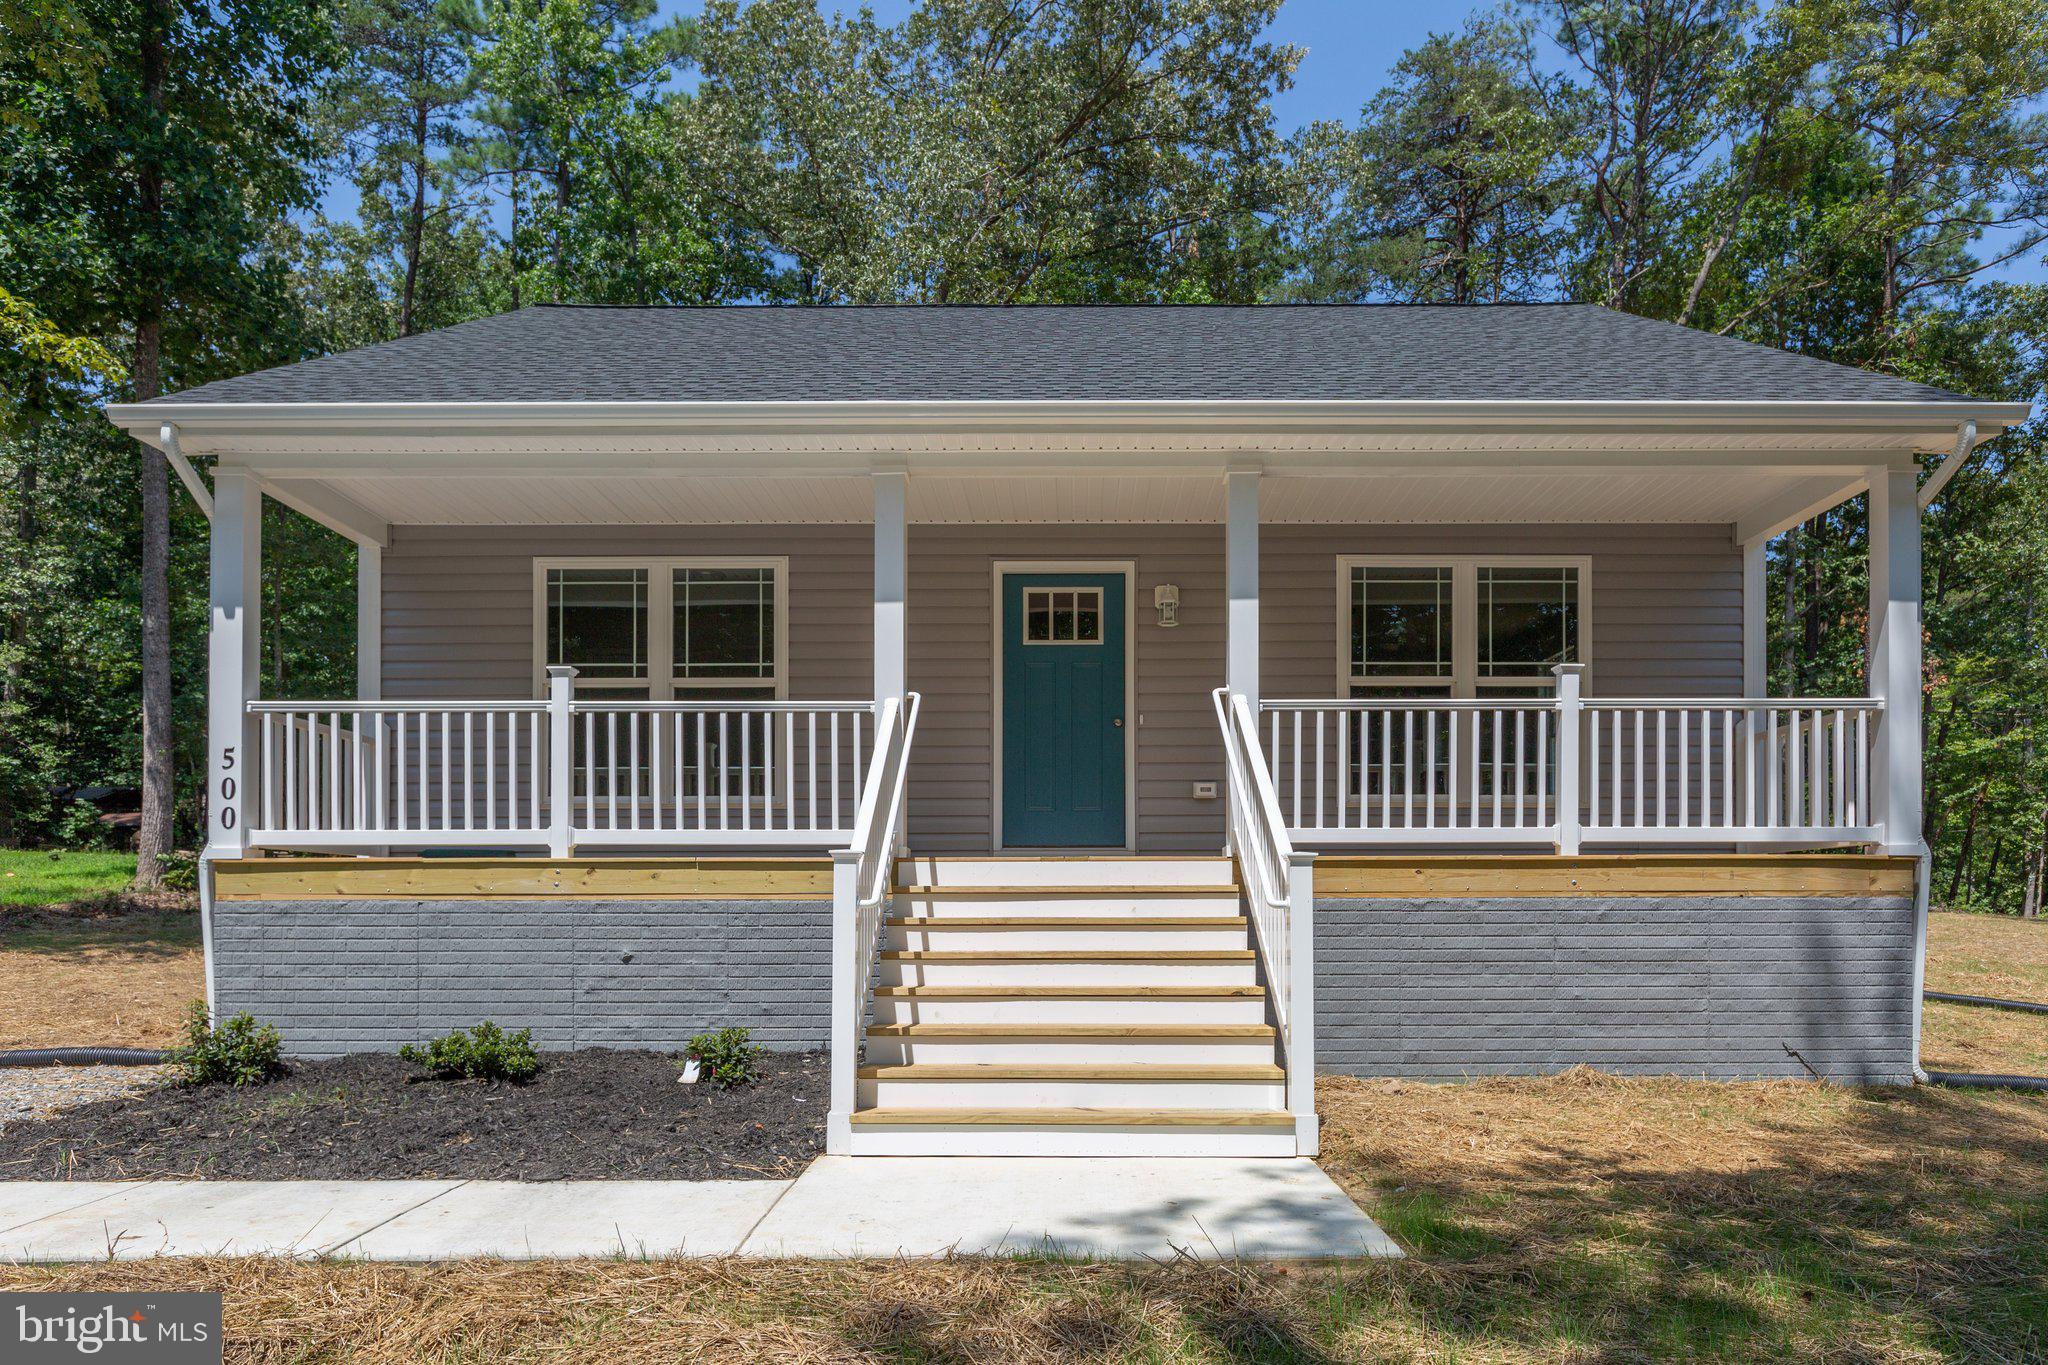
(1468, 626)
(719, 625)
(1063, 616)
(1464, 626)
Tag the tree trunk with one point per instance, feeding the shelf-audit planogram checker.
(416, 224)
(154, 838)
(12, 702)
(2037, 859)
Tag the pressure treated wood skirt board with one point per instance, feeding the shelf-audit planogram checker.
(1411, 877)
(276, 879)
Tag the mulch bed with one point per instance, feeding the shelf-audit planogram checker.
(590, 1115)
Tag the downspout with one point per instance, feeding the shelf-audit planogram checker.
(168, 438)
(1923, 870)
(1966, 441)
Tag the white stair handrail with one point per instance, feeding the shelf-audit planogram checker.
(862, 878)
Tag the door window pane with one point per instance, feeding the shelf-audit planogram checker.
(1400, 622)
(1528, 620)
(724, 623)
(1063, 616)
(597, 621)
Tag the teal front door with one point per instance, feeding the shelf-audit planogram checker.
(1063, 710)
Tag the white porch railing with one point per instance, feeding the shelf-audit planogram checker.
(557, 775)
(863, 882)
(1559, 772)
(1279, 889)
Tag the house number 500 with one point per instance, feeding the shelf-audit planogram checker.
(227, 788)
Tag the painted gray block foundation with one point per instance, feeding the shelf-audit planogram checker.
(1698, 986)
(344, 976)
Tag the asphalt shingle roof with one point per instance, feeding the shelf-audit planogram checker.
(1569, 352)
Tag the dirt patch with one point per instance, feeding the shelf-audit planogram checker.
(591, 1115)
(117, 972)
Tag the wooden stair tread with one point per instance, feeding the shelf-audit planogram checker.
(1068, 922)
(1073, 891)
(1005, 992)
(1073, 1071)
(1145, 1118)
(1070, 1031)
(1070, 955)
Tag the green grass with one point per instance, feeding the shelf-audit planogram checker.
(32, 877)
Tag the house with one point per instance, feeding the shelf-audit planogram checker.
(1086, 721)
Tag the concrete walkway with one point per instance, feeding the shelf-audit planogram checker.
(1111, 1208)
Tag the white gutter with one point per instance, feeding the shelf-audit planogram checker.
(167, 436)
(142, 419)
(1966, 441)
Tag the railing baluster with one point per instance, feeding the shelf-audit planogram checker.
(1684, 767)
(1495, 718)
(1320, 823)
(811, 743)
(491, 771)
(1592, 770)
(1639, 767)
(633, 769)
(1428, 784)
(1343, 767)
(833, 813)
(1543, 769)
(1521, 771)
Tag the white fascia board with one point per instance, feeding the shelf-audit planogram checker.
(145, 420)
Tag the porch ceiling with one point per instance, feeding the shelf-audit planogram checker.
(1738, 495)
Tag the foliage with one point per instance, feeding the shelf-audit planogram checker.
(727, 1057)
(1842, 178)
(483, 1053)
(57, 877)
(238, 1052)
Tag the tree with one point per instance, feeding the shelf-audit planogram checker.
(1654, 71)
(202, 142)
(1945, 93)
(1451, 189)
(399, 104)
(982, 151)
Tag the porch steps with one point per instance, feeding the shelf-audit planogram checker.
(1069, 1006)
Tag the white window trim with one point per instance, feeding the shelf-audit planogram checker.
(1464, 680)
(661, 681)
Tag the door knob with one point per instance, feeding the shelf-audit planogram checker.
(1118, 722)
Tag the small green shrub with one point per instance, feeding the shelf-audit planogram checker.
(484, 1053)
(179, 871)
(79, 827)
(727, 1057)
(238, 1052)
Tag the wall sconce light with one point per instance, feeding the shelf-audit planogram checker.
(1166, 597)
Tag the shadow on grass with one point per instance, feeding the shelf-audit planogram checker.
(1867, 1225)
(154, 926)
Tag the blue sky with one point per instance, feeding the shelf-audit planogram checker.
(1350, 45)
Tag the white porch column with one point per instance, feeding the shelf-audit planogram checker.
(1894, 655)
(369, 621)
(892, 584)
(1241, 581)
(1755, 618)
(233, 655)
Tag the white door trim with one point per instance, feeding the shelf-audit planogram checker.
(1129, 569)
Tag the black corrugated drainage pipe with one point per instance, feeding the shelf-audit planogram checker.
(1987, 1001)
(81, 1056)
(1973, 1080)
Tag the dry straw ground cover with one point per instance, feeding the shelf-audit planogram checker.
(1986, 955)
(116, 973)
(1576, 1218)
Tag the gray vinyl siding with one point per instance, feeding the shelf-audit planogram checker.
(1667, 600)
(458, 622)
(952, 644)
(371, 975)
(458, 601)
(1722, 987)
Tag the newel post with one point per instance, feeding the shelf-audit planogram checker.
(561, 761)
(1570, 708)
(847, 1008)
(234, 666)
